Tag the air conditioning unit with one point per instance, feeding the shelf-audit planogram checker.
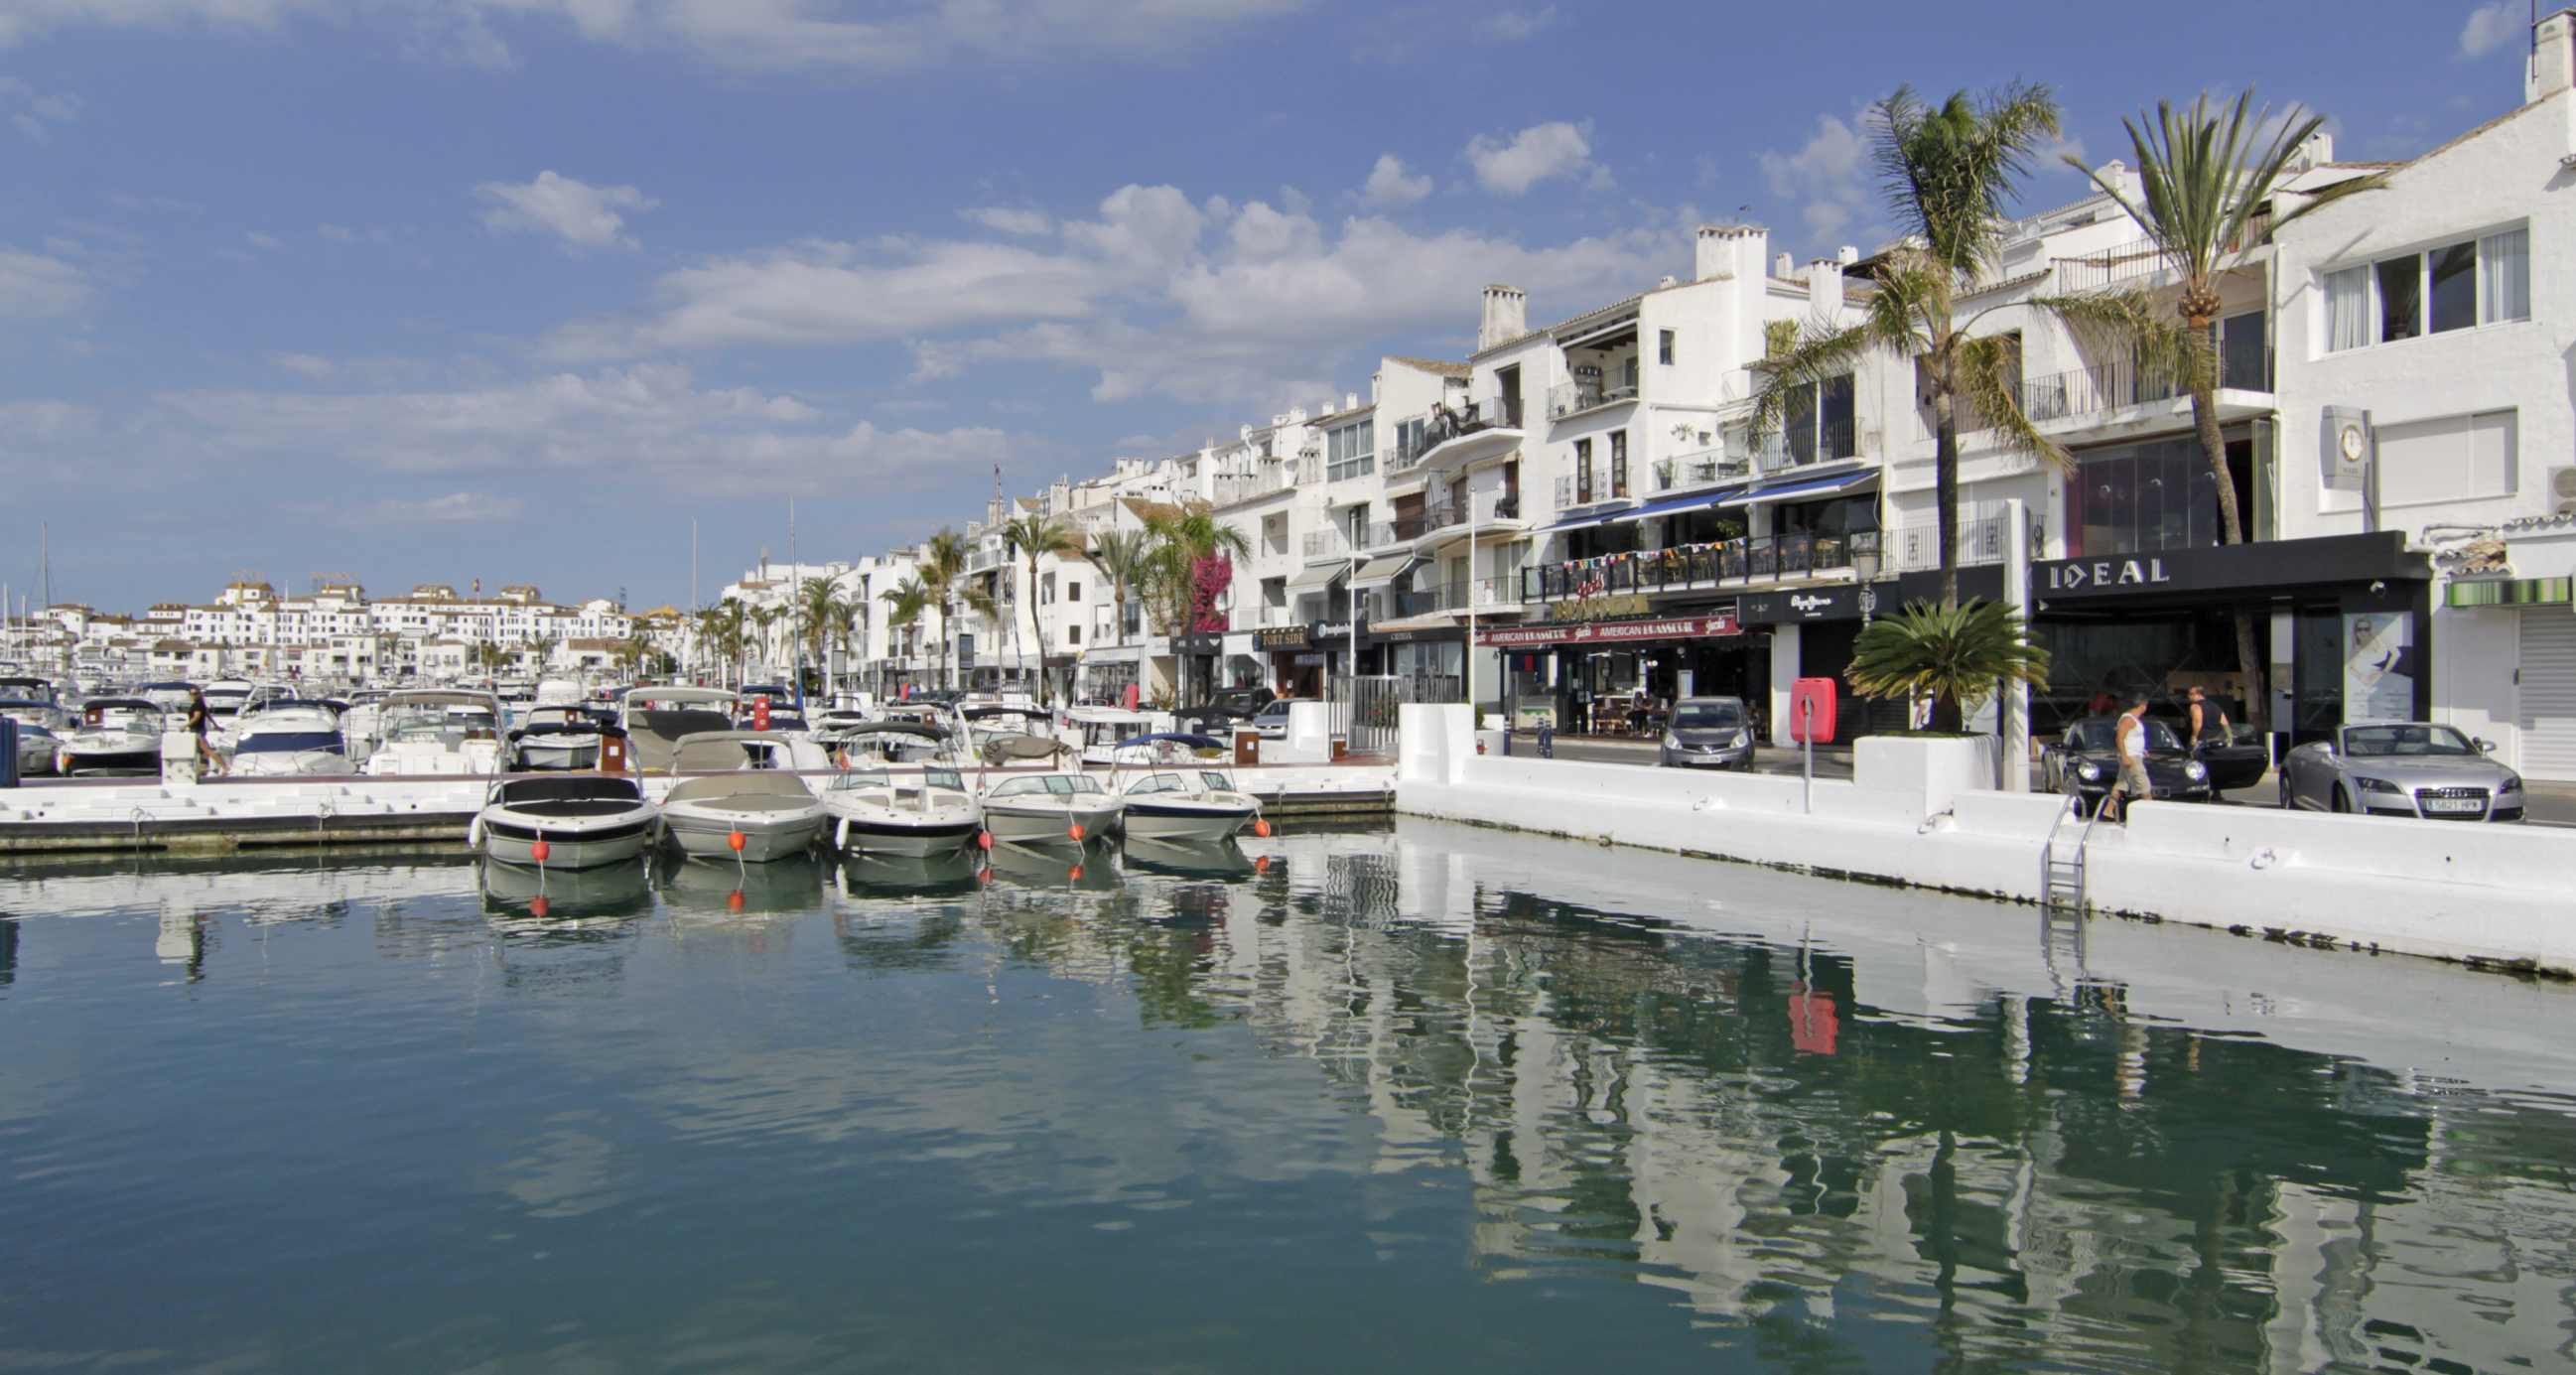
(2562, 491)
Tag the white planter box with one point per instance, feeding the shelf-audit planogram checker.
(1931, 771)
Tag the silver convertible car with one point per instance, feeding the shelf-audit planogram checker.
(2401, 768)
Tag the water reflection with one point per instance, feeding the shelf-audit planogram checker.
(1476, 1078)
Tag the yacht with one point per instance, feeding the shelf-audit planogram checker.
(37, 747)
(1104, 729)
(288, 738)
(566, 737)
(582, 820)
(171, 697)
(116, 735)
(436, 731)
(656, 718)
(1188, 804)
(1049, 808)
(19, 686)
(875, 812)
(740, 798)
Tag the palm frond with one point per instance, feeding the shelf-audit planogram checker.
(1987, 372)
(1960, 653)
(1821, 351)
(2129, 324)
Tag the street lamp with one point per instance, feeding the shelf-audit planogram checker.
(1865, 570)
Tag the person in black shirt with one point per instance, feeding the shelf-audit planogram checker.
(198, 720)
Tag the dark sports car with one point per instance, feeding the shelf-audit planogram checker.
(2239, 762)
(2085, 762)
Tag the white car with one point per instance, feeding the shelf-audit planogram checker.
(1272, 720)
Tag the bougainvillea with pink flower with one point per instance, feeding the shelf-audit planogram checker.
(1210, 576)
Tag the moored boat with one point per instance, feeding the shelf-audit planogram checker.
(1059, 808)
(739, 799)
(582, 820)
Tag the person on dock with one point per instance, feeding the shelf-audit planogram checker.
(198, 721)
(2131, 737)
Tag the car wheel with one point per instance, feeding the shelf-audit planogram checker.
(2342, 801)
(2289, 803)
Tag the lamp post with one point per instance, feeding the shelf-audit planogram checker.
(1865, 563)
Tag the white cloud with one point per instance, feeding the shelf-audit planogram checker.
(1514, 26)
(311, 365)
(582, 215)
(454, 508)
(1825, 177)
(264, 242)
(1534, 155)
(1010, 221)
(36, 114)
(818, 34)
(2491, 27)
(33, 286)
(1388, 183)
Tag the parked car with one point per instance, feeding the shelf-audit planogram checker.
(2239, 761)
(1708, 733)
(1272, 719)
(1227, 708)
(2401, 768)
(2085, 763)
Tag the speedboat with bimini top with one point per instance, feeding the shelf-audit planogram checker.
(116, 735)
(738, 798)
(437, 731)
(656, 717)
(569, 821)
(284, 739)
(1194, 804)
(563, 737)
(1049, 809)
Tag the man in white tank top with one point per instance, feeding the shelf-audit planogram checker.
(2131, 736)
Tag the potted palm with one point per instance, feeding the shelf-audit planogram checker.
(1956, 655)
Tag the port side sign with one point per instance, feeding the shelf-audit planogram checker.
(1609, 632)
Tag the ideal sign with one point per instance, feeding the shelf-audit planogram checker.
(2104, 575)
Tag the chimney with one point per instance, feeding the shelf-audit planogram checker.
(1350, 400)
(1825, 285)
(1847, 255)
(1784, 267)
(2553, 57)
(1506, 315)
(1668, 280)
(1719, 244)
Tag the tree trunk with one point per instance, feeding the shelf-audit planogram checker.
(1946, 715)
(1037, 632)
(2250, 660)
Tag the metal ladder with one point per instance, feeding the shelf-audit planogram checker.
(2061, 875)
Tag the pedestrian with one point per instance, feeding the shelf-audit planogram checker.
(2103, 703)
(198, 720)
(2208, 721)
(2131, 738)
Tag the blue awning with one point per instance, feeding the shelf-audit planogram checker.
(1807, 487)
(1675, 506)
(1582, 522)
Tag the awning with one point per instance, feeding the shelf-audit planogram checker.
(1381, 570)
(1675, 506)
(1317, 577)
(1809, 487)
(1583, 522)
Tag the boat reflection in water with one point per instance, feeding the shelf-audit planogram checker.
(789, 883)
(1089, 865)
(958, 871)
(1217, 859)
(608, 892)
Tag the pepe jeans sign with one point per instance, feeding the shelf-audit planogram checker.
(2103, 575)
(1609, 632)
(1600, 607)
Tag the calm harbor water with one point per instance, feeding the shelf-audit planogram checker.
(1426, 1099)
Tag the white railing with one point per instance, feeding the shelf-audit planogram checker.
(1702, 468)
(1916, 547)
(1326, 542)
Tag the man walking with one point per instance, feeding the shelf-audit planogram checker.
(2131, 738)
(2208, 721)
(199, 719)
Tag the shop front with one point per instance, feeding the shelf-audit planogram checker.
(1107, 673)
(1812, 632)
(1617, 675)
(1296, 666)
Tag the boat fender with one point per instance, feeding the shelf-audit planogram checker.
(841, 835)
(474, 833)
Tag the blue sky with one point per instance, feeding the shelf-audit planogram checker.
(514, 289)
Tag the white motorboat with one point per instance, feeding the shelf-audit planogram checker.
(171, 697)
(224, 698)
(740, 798)
(582, 820)
(286, 739)
(1193, 804)
(875, 812)
(988, 722)
(563, 737)
(1104, 729)
(37, 749)
(437, 731)
(116, 735)
(24, 688)
(1049, 809)
(657, 717)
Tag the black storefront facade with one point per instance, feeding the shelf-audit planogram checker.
(1584, 672)
(1304, 657)
(2343, 623)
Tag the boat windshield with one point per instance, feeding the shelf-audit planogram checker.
(855, 779)
(290, 742)
(1216, 782)
(1050, 785)
(943, 778)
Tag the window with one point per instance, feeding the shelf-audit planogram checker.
(1408, 438)
(1073, 590)
(1664, 347)
(2453, 458)
(1350, 451)
(1073, 634)
(2244, 358)
(1582, 471)
(1618, 463)
(2478, 281)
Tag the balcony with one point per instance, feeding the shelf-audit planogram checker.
(1458, 595)
(1574, 398)
(1917, 548)
(1327, 544)
(1705, 468)
(1572, 492)
(1755, 559)
(1493, 422)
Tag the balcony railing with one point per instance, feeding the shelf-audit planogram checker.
(2110, 267)
(1761, 558)
(1702, 469)
(1441, 424)
(1492, 507)
(2103, 387)
(1917, 548)
(1569, 398)
(1326, 542)
(1575, 491)
(1457, 594)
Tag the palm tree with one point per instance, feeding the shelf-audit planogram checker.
(1950, 170)
(944, 579)
(2205, 175)
(906, 601)
(732, 634)
(1182, 544)
(1032, 536)
(1122, 555)
(764, 621)
(819, 610)
(1953, 653)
